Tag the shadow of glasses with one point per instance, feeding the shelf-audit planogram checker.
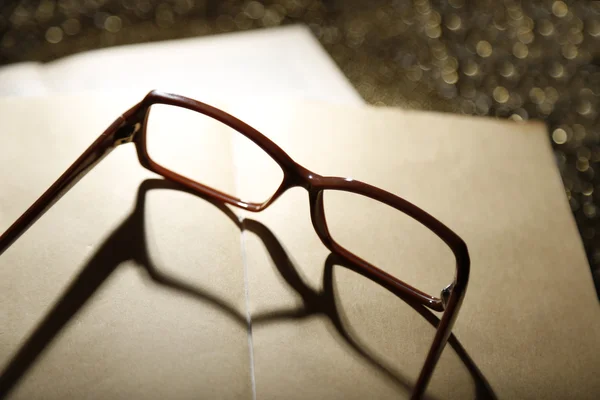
(128, 243)
(483, 390)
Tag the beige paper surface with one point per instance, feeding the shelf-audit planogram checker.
(168, 321)
(285, 62)
(530, 319)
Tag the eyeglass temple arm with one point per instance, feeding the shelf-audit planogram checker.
(455, 295)
(118, 132)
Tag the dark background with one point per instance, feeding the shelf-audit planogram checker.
(507, 59)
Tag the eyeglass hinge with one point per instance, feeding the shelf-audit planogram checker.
(445, 295)
(126, 133)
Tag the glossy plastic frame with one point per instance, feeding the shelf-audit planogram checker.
(130, 127)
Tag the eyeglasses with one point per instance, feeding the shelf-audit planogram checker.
(140, 124)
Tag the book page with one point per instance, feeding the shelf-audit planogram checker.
(125, 288)
(530, 318)
(285, 62)
(23, 78)
(178, 275)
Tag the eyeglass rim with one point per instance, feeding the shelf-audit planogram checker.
(295, 175)
(451, 298)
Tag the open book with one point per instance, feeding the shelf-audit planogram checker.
(131, 288)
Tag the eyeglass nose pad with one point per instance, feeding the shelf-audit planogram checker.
(445, 294)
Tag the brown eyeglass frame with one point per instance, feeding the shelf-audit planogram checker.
(131, 127)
